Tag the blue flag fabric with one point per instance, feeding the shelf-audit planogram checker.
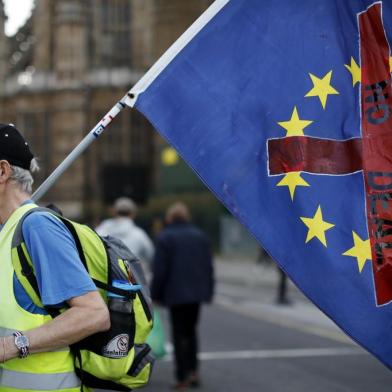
(261, 72)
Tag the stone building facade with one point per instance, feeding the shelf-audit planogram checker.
(65, 68)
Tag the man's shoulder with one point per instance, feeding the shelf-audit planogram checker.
(191, 228)
(115, 222)
(183, 230)
(40, 218)
(139, 230)
(164, 233)
(44, 225)
(107, 222)
(105, 225)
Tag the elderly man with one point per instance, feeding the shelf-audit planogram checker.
(123, 227)
(34, 348)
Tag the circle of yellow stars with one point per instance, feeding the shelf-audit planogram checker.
(295, 126)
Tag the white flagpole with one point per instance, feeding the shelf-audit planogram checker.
(79, 149)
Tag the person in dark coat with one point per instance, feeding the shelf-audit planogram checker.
(183, 279)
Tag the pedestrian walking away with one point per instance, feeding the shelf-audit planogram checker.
(37, 344)
(183, 279)
(282, 290)
(123, 227)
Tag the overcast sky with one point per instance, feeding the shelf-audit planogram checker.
(17, 11)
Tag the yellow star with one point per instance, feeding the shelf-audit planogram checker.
(295, 126)
(390, 64)
(355, 71)
(361, 250)
(292, 180)
(317, 227)
(321, 88)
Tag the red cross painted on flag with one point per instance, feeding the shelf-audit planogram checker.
(372, 153)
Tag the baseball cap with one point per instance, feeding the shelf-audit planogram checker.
(14, 148)
(125, 205)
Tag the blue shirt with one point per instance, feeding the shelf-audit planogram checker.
(59, 270)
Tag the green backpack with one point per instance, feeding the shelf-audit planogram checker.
(118, 359)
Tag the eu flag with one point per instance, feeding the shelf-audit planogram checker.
(284, 109)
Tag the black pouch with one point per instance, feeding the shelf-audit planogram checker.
(118, 340)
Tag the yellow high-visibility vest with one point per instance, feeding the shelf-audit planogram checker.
(51, 371)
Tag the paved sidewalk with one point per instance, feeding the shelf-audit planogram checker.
(246, 271)
(261, 280)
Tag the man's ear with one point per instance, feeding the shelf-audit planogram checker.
(5, 171)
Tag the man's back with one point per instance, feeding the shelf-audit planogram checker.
(133, 236)
(183, 271)
(183, 278)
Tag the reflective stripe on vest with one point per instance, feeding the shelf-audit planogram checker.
(6, 332)
(42, 381)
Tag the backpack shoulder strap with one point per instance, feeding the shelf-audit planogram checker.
(22, 263)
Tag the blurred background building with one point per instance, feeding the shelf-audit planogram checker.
(64, 69)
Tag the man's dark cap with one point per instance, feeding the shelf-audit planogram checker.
(14, 148)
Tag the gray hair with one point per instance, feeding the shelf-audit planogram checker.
(23, 177)
(178, 212)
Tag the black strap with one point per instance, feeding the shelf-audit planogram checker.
(27, 270)
(53, 312)
(138, 359)
(28, 273)
(146, 308)
(115, 290)
(98, 383)
(78, 357)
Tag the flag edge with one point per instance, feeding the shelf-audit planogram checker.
(161, 64)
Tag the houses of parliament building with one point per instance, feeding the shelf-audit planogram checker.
(65, 68)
